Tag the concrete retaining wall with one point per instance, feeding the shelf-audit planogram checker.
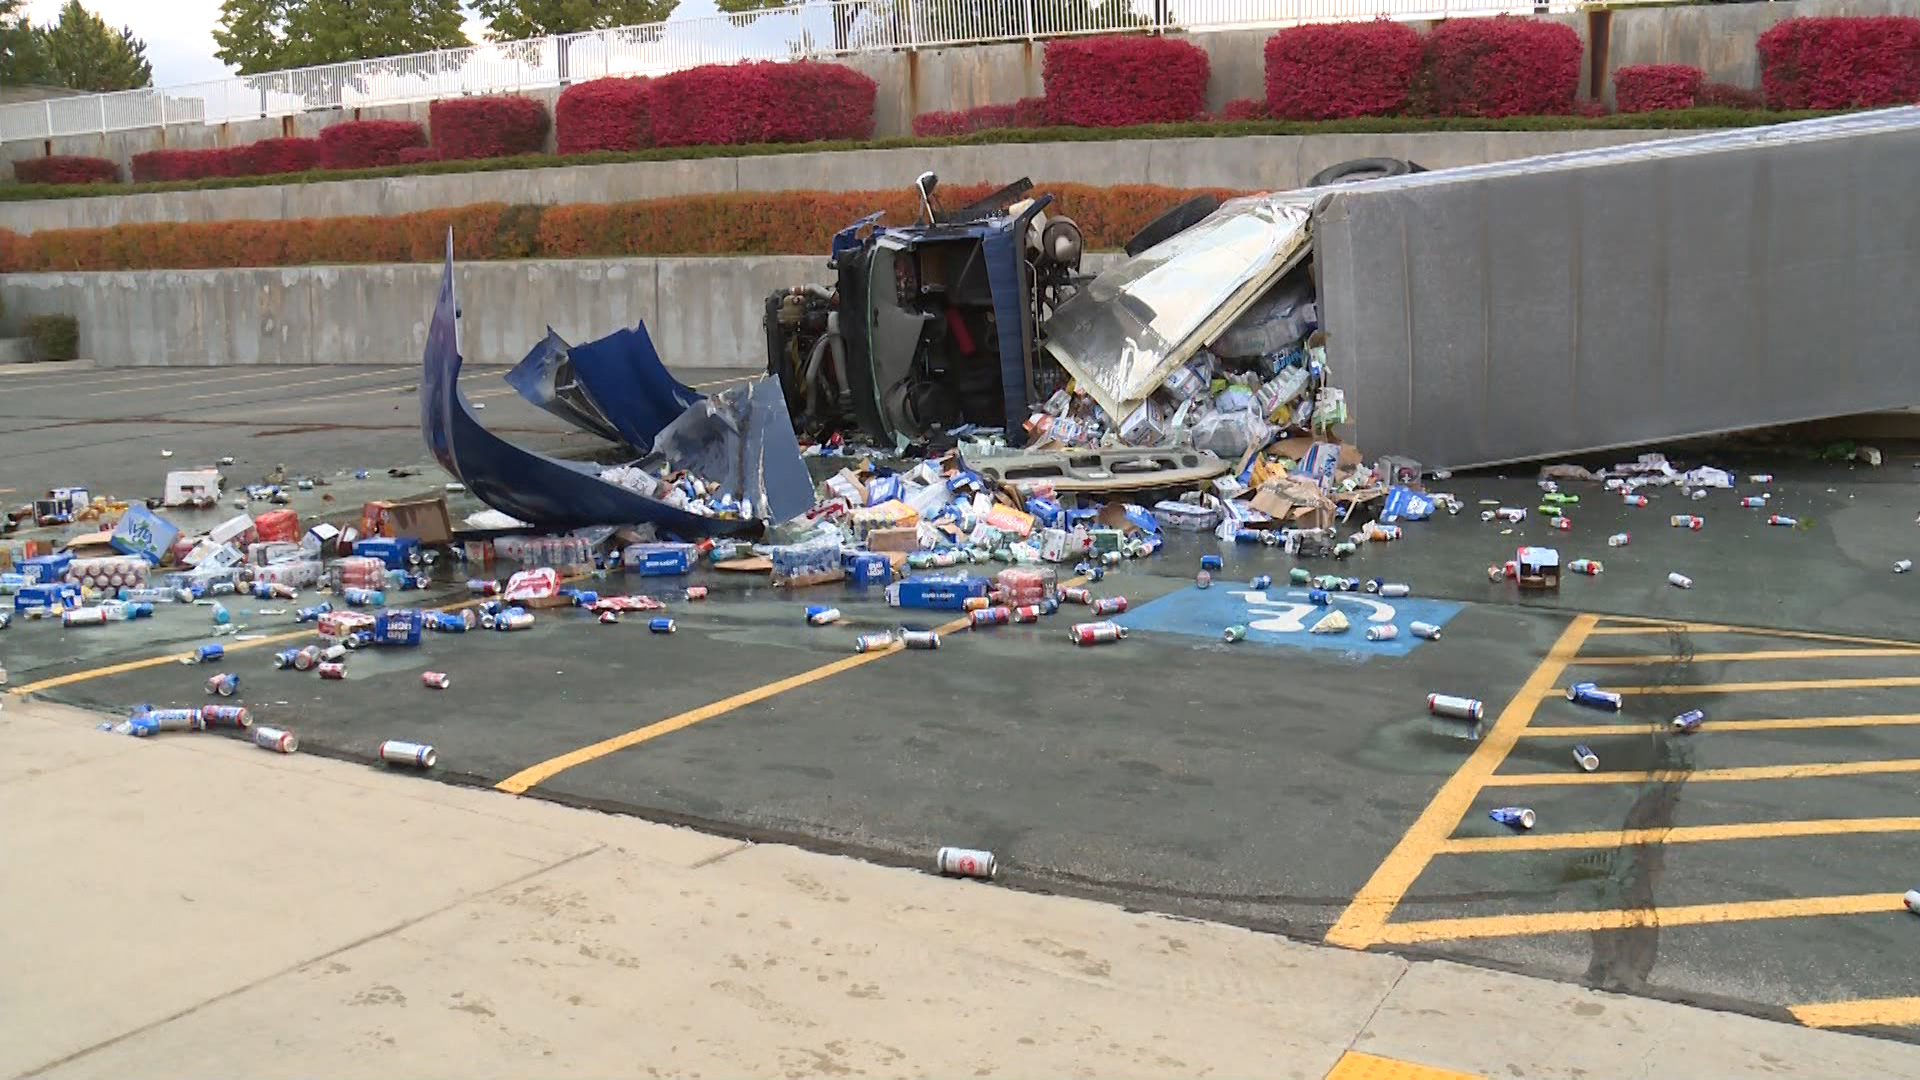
(1260, 162)
(1716, 37)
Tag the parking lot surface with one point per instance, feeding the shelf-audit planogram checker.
(1291, 782)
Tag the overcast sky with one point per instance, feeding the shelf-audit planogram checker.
(179, 33)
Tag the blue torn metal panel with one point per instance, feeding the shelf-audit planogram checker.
(543, 491)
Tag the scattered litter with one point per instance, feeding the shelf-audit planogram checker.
(1592, 697)
(1456, 708)
(435, 680)
(1516, 817)
(1679, 580)
(1584, 757)
(1903, 566)
(1689, 721)
(275, 739)
(418, 755)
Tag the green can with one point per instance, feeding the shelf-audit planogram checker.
(1299, 575)
(1550, 510)
(1344, 549)
(1233, 634)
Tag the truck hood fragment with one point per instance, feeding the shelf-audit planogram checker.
(550, 492)
(1122, 335)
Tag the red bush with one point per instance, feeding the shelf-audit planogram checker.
(155, 165)
(66, 169)
(488, 127)
(1838, 63)
(1025, 113)
(1503, 66)
(766, 102)
(1719, 95)
(603, 114)
(368, 144)
(1245, 108)
(416, 155)
(1339, 70)
(1647, 87)
(269, 157)
(1122, 80)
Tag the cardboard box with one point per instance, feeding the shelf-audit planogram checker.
(658, 560)
(237, 529)
(319, 539)
(187, 486)
(146, 534)
(937, 592)
(298, 573)
(393, 552)
(903, 539)
(423, 518)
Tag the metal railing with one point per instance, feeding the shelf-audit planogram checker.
(829, 29)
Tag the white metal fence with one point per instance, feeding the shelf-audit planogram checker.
(814, 29)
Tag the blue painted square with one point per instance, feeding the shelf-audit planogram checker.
(1281, 618)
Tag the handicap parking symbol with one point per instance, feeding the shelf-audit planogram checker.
(1284, 618)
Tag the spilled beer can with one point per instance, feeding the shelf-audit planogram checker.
(1212, 562)
(609, 618)
(333, 671)
(965, 862)
(661, 626)
(1688, 722)
(1563, 524)
(1110, 605)
(1458, 708)
(1074, 594)
(1584, 757)
(1754, 502)
(1619, 539)
(1782, 519)
(1027, 613)
(308, 657)
(821, 615)
(1634, 500)
(973, 603)
(1592, 697)
(1912, 900)
(1393, 590)
(233, 716)
(1515, 817)
(1903, 566)
(1233, 634)
(1097, 633)
(1261, 582)
(1299, 575)
(225, 684)
(1318, 597)
(435, 680)
(268, 738)
(992, 616)
(920, 639)
(1427, 631)
(208, 653)
(1589, 567)
(1679, 580)
(1383, 632)
(1686, 521)
(286, 658)
(399, 752)
(696, 592)
(1203, 580)
(871, 642)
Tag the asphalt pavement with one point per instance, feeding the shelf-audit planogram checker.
(1292, 782)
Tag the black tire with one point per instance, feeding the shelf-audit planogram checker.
(1173, 223)
(1372, 168)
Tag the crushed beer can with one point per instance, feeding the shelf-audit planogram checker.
(609, 618)
(1514, 817)
(435, 680)
(1591, 696)
(332, 671)
(401, 752)
(696, 592)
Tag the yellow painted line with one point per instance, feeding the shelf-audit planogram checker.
(1571, 922)
(1876, 1012)
(1365, 918)
(90, 674)
(1679, 834)
(369, 374)
(126, 375)
(1801, 723)
(176, 383)
(1737, 657)
(1884, 681)
(1708, 776)
(1354, 1065)
(534, 775)
(1654, 626)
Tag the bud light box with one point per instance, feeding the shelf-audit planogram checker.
(393, 551)
(45, 596)
(868, 568)
(43, 569)
(937, 592)
(398, 627)
(658, 560)
(144, 533)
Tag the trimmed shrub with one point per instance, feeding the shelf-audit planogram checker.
(1719, 95)
(416, 155)
(160, 165)
(735, 223)
(1839, 62)
(488, 127)
(66, 169)
(1503, 66)
(1025, 113)
(765, 102)
(604, 114)
(54, 337)
(1121, 80)
(1240, 110)
(1642, 88)
(270, 157)
(1342, 70)
(368, 144)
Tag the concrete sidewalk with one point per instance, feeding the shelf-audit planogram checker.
(193, 906)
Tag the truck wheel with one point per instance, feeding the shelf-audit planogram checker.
(1173, 222)
(1373, 168)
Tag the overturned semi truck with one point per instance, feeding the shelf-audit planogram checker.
(1497, 313)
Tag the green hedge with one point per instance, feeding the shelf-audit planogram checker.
(1678, 120)
(55, 337)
